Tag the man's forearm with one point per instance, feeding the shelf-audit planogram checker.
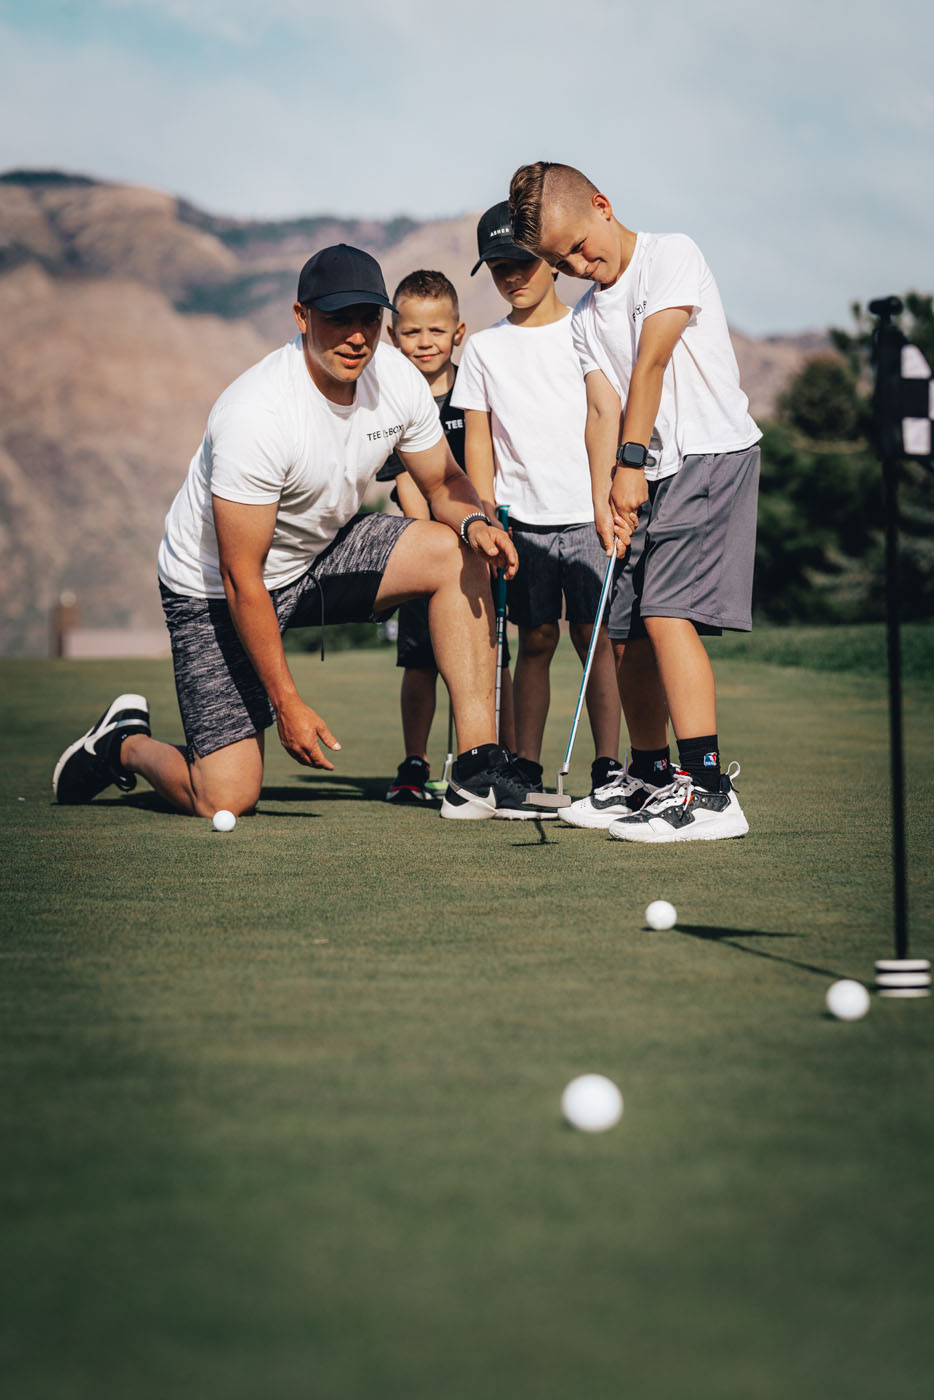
(254, 617)
(455, 498)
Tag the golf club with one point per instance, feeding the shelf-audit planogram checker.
(439, 786)
(549, 800)
(499, 601)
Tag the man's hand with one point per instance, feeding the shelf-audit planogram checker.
(493, 544)
(300, 730)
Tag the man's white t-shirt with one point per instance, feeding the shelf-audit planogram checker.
(272, 437)
(703, 409)
(528, 379)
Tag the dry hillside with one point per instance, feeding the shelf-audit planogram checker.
(123, 314)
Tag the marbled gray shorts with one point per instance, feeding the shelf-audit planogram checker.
(693, 552)
(219, 694)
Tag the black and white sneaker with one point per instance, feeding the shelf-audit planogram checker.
(684, 812)
(92, 763)
(409, 784)
(498, 789)
(622, 795)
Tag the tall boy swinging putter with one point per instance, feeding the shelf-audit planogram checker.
(674, 467)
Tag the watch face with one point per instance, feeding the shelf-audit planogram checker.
(632, 454)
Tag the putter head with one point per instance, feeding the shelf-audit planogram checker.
(550, 801)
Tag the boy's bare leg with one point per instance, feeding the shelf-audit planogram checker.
(418, 699)
(603, 707)
(230, 777)
(642, 694)
(686, 675)
(428, 561)
(533, 687)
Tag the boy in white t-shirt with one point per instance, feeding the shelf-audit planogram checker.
(524, 404)
(674, 464)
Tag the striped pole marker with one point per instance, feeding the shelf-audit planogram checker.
(903, 977)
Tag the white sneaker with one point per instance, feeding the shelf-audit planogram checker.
(620, 797)
(683, 812)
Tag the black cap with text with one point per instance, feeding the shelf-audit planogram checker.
(342, 276)
(494, 238)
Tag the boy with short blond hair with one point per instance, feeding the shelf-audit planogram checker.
(427, 329)
(674, 465)
(523, 396)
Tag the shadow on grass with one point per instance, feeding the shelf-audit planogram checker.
(319, 787)
(727, 937)
(541, 838)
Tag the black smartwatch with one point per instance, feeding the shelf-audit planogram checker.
(633, 454)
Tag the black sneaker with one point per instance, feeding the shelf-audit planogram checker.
(603, 771)
(92, 762)
(409, 783)
(498, 789)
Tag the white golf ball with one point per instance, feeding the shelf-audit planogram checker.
(847, 1000)
(592, 1103)
(660, 914)
(224, 820)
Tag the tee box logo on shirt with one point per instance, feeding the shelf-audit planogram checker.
(380, 433)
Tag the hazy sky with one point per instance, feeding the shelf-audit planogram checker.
(794, 141)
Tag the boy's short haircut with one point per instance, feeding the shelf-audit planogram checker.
(424, 285)
(566, 186)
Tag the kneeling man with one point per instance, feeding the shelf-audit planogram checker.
(265, 534)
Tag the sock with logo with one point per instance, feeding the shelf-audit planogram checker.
(701, 758)
(475, 760)
(651, 765)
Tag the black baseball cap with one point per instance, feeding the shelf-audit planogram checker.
(494, 238)
(342, 276)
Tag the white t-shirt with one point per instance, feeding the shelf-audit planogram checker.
(272, 436)
(529, 381)
(703, 409)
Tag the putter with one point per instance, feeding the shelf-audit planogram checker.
(440, 785)
(499, 601)
(548, 801)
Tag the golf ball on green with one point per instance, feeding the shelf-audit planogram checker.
(592, 1103)
(660, 914)
(224, 820)
(847, 1000)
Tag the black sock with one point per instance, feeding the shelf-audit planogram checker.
(475, 760)
(651, 765)
(530, 769)
(701, 758)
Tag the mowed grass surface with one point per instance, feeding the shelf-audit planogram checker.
(281, 1106)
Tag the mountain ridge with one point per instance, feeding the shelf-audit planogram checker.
(124, 312)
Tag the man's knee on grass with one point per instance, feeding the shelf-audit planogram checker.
(230, 777)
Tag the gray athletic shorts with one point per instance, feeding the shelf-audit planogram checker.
(561, 570)
(693, 552)
(219, 694)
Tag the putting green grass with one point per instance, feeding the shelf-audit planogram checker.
(280, 1107)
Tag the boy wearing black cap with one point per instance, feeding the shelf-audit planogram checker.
(426, 328)
(265, 534)
(522, 391)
